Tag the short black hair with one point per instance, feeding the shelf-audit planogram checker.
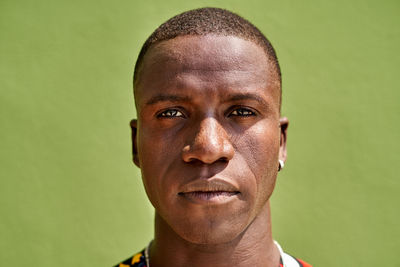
(204, 21)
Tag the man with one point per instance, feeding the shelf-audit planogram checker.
(209, 141)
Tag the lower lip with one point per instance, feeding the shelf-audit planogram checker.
(209, 197)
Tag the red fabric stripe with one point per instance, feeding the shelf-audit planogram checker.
(305, 264)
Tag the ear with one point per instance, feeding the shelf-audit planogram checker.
(283, 125)
(135, 155)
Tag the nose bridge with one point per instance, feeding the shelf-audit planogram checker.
(210, 133)
(209, 143)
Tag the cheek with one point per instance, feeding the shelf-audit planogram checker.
(261, 146)
(158, 157)
(260, 149)
(151, 154)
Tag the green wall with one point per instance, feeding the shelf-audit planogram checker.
(69, 194)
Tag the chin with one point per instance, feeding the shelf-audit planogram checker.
(211, 232)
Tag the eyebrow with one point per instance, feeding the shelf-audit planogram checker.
(247, 96)
(167, 98)
(179, 98)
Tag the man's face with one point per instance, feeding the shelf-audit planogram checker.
(208, 135)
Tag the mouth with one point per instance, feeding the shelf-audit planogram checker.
(209, 191)
(208, 196)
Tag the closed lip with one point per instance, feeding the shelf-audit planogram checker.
(209, 191)
(209, 185)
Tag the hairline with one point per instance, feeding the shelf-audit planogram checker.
(270, 62)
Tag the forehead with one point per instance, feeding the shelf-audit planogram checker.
(216, 61)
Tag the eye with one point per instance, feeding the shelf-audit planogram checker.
(170, 113)
(242, 112)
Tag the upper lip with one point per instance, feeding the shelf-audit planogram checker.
(209, 185)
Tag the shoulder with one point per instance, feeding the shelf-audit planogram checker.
(290, 261)
(137, 260)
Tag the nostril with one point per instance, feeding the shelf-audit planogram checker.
(194, 160)
(223, 160)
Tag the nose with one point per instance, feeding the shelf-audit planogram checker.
(210, 143)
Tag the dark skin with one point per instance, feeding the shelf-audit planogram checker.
(207, 140)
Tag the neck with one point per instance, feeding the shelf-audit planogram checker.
(253, 247)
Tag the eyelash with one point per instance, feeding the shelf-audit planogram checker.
(172, 114)
(242, 112)
(175, 113)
